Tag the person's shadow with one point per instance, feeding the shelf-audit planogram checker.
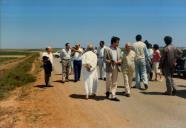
(179, 93)
(60, 81)
(43, 86)
(80, 96)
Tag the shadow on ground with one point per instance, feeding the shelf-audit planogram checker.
(120, 86)
(120, 93)
(183, 86)
(43, 86)
(79, 96)
(60, 81)
(179, 77)
(179, 93)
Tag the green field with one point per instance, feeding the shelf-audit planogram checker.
(17, 76)
(5, 59)
(13, 53)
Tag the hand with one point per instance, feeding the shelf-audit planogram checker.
(114, 62)
(118, 63)
(73, 49)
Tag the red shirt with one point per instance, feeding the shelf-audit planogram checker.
(156, 56)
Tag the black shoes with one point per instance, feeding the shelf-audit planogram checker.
(174, 92)
(127, 95)
(170, 94)
(167, 94)
(133, 87)
(115, 99)
(102, 79)
(93, 95)
(146, 86)
(107, 94)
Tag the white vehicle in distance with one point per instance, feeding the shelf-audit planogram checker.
(57, 54)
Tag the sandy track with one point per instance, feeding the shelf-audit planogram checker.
(64, 106)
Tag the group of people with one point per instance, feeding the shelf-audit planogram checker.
(139, 58)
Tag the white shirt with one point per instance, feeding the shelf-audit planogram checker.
(101, 51)
(50, 56)
(66, 55)
(114, 54)
(139, 49)
(77, 55)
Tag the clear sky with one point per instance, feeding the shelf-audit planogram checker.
(38, 23)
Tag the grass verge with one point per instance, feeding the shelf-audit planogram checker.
(17, 76)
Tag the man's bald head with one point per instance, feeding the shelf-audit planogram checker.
(128, 46)
(90, 47)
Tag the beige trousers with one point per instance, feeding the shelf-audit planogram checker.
(128, 80)
(111, 81)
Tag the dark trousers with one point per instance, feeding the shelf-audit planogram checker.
(47, 78)
(168, 72)
(77, 69)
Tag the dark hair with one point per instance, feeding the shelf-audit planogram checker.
(156, 46)
(46, 49)
(168, 40)
(148, 45)
(67, 44)
(146, 42)
(114, 39)
(138, 37)
(102, 42)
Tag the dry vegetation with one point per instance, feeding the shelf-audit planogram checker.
(17, 76)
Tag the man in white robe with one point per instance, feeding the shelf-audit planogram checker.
(89, 69)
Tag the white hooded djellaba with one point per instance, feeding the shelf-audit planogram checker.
(89, 69)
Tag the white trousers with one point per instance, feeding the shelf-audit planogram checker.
(102, 67)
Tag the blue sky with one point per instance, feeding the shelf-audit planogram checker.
(38, 23)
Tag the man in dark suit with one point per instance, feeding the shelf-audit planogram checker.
(167, 64)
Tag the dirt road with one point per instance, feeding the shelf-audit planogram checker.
(64, 106)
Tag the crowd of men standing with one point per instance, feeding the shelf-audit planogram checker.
(139, 59)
